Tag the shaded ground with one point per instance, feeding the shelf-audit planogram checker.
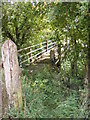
(46, 94)
(37, 66)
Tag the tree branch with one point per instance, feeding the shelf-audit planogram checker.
(8, 34)
(25, 32)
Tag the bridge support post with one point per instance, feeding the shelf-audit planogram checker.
(46, 45)
(12, 74)
(52, 57)
(30, 55)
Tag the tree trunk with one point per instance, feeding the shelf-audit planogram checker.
(74, 61)
(76, 56)
(88, 57)
(59, 54)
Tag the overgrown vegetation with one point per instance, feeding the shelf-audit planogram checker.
(46, 94)
(60, 91)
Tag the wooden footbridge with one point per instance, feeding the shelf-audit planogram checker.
(13, 59)
(36, 52)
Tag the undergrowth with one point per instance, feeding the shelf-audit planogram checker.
(47, 95)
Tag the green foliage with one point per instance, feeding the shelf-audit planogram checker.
(47, 93)
(44, 98)
(27, 24)
(24, 22)
(70, 108)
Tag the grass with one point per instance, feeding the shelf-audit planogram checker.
(46, 95)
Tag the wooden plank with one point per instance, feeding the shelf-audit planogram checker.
(32, 51)
(50, 44)
(30, 46)
(30, 55)
(23, 49)
(33, 46)
(46, 45)
(37, 54)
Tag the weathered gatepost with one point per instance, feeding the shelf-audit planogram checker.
(0, 99)
(12, 74)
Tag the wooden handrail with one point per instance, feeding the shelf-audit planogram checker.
(33, 46)
(49, 44)
(32, 57)
(29, 47)
(32, 51)
(35, 50)
(36, 54)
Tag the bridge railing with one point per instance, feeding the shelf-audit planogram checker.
(31, 53)
(11, 68)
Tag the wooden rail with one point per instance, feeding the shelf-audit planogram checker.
(34, 45)
(32, 53)
(11, 68)
(35, 51)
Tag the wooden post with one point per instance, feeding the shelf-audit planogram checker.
(55, 46)
(52, 57)
(46, 45)
(12, 74)
(0, 97)
(3, 94)
(30, 55)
